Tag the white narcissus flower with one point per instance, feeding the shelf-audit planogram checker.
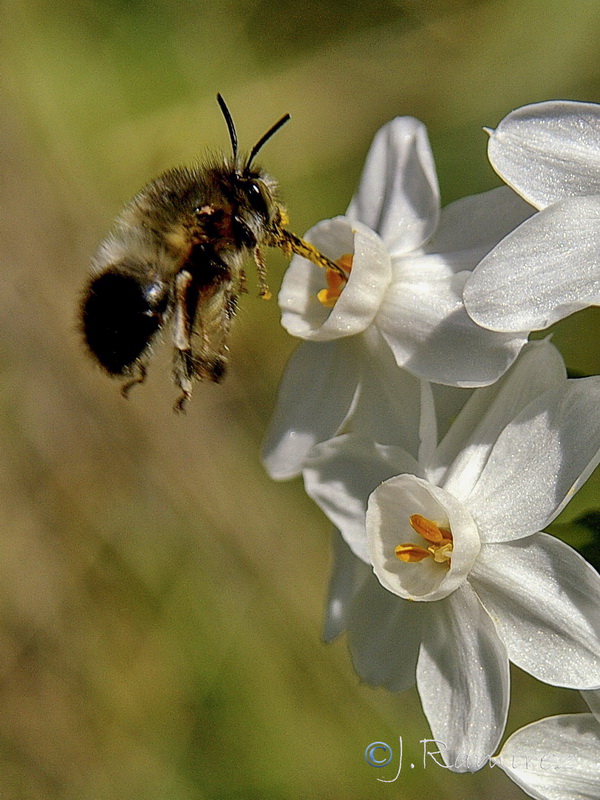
(467, 581)
(549, 266)
(557, 758)
(348, 384)
(327, 382)
(410, 262)
(409, 265)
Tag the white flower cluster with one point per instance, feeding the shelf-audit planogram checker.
(440, 443)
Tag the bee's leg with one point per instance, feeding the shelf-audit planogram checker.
(139, 374)
(242, 283)
(184, 371)
(290, 243)
(183, 367)
(261, 269)
(231, 304)
(197, 313)
(212, 365)
(227, 315)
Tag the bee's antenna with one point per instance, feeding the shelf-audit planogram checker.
(265, 138)
(230, 124)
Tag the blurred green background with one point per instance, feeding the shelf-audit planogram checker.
(160, 598)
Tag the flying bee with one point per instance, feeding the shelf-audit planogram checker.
(175, 257)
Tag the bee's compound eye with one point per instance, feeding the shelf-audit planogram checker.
(257, 197)
(120, 316)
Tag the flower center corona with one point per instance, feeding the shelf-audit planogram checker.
(440, 547)
(335, 282)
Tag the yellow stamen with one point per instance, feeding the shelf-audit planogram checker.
(411, 552)
(443, 554)
(440, 548)
(429, 529)
(335, 281)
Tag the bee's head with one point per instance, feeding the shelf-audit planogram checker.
(255, 189)
(257, 193)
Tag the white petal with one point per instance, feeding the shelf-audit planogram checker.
(547, 151)
(303, 315)
(431, 335)
(538, 462)
(557, 758)
(348, 574)
(339, 476)
(461, 456)
(398, 193)
(545, 270)
(463, 681)
(378, 413)
(384, 636)
(388, 513)
(428, 433)
(471, 226)
(545, 600)
(592, 698)
(315, 396)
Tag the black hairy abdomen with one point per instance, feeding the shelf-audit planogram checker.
(118, 320)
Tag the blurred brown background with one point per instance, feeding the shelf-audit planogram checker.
(160, 598)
